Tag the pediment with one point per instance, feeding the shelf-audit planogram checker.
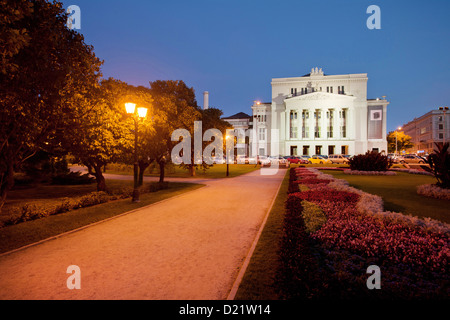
(320, 96)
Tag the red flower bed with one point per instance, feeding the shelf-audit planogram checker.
(313, 181)
(413, 259)
(347, 229)
(327, 194)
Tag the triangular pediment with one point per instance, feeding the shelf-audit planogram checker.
(320, 96)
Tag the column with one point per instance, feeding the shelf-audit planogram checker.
(336, 123)
(299, 124)
(287, 121)
(312, 123)
(323, 124)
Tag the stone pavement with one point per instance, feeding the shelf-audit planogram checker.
(190, 247)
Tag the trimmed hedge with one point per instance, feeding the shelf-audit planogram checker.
(29, 212)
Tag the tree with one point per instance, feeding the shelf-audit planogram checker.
(103, 133)
(47, 71)
(403, 141)
(176, 104)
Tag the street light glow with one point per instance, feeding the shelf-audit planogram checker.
(142, 112)
(130, 107)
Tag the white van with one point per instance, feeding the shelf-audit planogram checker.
(338, 158)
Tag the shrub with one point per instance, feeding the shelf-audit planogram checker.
(92, 199)
(439, 162)
(371, 161)
(433, 191)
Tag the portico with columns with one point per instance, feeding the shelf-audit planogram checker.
(320, 114)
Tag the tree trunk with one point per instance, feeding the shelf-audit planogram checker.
(6, 182)
(192, 170)
(162, 165)
(142, 167)
(97, 173)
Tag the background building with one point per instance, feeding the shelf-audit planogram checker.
(319, 114)
(433, 127)
(242, 123)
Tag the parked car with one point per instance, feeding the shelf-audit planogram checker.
(218, 160)
(338, 158)
(394, 158)
(295, 160)
(411, 158)
(261, 159)
(318, 160)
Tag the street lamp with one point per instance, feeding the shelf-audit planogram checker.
(396, 133)
(444, 110)
(227, 155)
(137, 113)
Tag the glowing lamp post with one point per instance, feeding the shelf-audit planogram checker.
(396, 133)
(137, 113)
(228, 155)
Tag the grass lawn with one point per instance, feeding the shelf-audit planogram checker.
(259, 282)
(16, 236)
(217, 171)
(399, 193)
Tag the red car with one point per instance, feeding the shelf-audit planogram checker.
(296, 160)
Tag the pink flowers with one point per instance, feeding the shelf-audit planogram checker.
(356, 224)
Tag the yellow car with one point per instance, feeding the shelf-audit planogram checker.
(319, 160)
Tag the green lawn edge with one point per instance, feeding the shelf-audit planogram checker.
(399, 193)
(26, 233)
(259, 280)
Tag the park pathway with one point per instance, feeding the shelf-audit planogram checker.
(188, 247)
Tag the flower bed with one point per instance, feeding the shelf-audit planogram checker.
(412, 171)
(433, 191)
(370, 173)
(354, 233)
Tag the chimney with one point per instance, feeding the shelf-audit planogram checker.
(205, 100)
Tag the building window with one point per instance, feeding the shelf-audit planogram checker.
(306, 150)
(343, 123)
(262, 134)
(293, 125)
(330, 124)
(317, 127)
(293, 150)
(305, 128)
(441, 127)
(441, 136)
(318, 150)
(331, 150)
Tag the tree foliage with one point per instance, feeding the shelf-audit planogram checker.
(403, 141)
(176, 104)
(47, 72)
(439, 162)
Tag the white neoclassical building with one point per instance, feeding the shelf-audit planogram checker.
(319, 114)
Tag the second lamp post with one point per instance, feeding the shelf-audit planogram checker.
(136, 113)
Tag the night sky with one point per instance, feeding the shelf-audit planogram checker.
(234, 48)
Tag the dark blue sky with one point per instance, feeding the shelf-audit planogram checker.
(234, 48)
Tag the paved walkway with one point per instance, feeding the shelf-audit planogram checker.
(188, 247)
